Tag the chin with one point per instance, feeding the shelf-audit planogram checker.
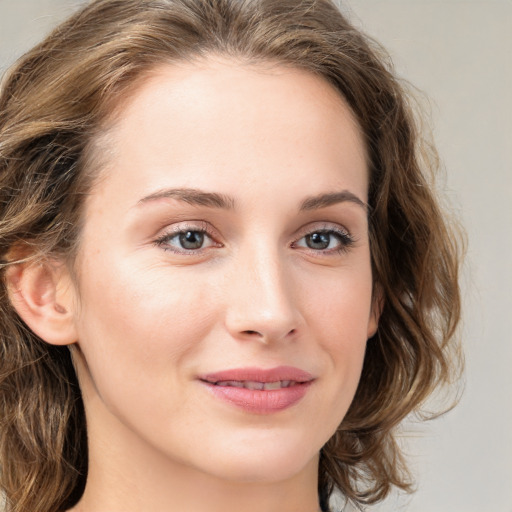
(265, 461)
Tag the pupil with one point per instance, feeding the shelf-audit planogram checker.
(318, 240)
(192, 240)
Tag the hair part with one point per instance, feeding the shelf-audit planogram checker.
(54, 106)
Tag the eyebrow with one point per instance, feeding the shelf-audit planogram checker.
(330, 199)
(192, 196)
(215, 200)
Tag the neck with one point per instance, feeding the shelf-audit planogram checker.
(194, 493)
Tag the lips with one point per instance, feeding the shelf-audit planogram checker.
(260, 391)
(278, 374)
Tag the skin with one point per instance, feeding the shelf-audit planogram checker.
(149, 316)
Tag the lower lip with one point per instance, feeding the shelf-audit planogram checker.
(260, 401)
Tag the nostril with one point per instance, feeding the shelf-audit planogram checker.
(257, 333)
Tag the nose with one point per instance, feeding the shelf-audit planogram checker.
(261, 300)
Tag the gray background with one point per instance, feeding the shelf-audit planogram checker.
(460, 53)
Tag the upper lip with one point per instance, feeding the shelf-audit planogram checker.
(279, 373)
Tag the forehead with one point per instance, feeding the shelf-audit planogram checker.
(217, 121)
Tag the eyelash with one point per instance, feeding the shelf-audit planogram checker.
(345, 240)
(163, 241)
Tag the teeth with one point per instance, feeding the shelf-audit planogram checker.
(254, 385)
(258, 386)
(273, 385)
(232, 383)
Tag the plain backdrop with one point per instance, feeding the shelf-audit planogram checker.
(459, 52)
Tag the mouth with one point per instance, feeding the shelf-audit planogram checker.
(254, 385)
(259, 391)
(259, 378)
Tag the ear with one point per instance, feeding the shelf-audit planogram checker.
(376, 310)
(42, 294)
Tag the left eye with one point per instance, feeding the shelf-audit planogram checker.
(188, 240)
(325, 240)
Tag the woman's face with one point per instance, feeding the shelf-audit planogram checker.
(224, 294)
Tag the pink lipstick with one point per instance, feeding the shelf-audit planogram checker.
(260, 391)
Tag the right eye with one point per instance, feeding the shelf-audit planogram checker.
(186, 241)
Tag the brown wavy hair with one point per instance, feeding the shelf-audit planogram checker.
(54, 104)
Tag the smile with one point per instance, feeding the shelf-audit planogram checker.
(260, 386)
(259, 391)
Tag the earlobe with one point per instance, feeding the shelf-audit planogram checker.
(41, 293)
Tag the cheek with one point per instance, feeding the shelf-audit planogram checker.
(341, 307)
(340, 315)
(139, 327)
(145, 307)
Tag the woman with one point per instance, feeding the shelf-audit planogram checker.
(225, 276)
